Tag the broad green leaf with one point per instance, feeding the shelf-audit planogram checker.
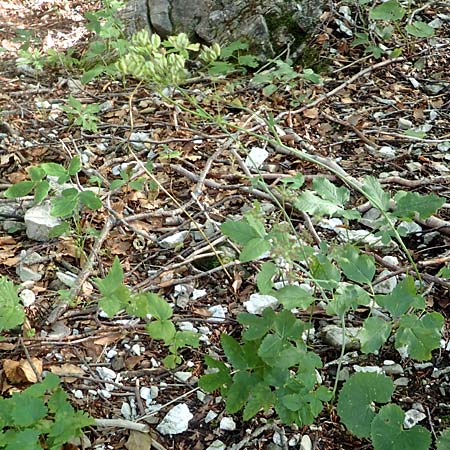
(27, 410)
(355, 265)
(254, 249)
(11, 309)
(276, 352)
(408, 204)
(328, 191)
(403, 297)
(21, 439)
(233, 352)
(36, 173)
(390, 11)
(324, 273)
(355, 400)
(65, 205)
(261, 397)
(444, 272)
(374, 192)
(288, 327)
(257, 326)
(238, 231)
(387, 431)
(374, 334)
(184, 339)
(419, 335)
(115, 300)
(293, 402)
(292, 296)
(311, 203)
(74, 166)
(419, 29)
(139, 305)
(248, 60)
(41, 190)
(265, 276)
(237, 394)
(171, 361)
(159, 308)
(20, 189)
(228, 50)
(90, 200)
(161, 329)
(443, 442)
(415, 133)
(59, 230)
(55, 170)
(347, 296)
(113, 280)
(212, 381)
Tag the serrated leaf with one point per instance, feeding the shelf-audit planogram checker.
(161, 329)
(276, 352)
(374, 334)
(261, 397)
(355, 400)
(355, 265)
(237, 394)
(292, 296)
(90, 200)
(233, 352)
(36, 173)
(20, 189)
(347, 296)
(114, 301)
(258, 326)
(139, 305)
(311, 203)
(264, 277)
(443, 442)
(11, 309)
(22, 439)
(159, 308)
(27, 410)
(238, 231)
(287, 326)
(328, 191)
(379, 198)
(387, 431)
(408, 204)
(212, 381)
(419, 29)
(419, 335)
(324, 273)
(390, 11)
(402, 297)
(254, 249)
(113, 280)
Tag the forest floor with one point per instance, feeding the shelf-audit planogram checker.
(357, 120)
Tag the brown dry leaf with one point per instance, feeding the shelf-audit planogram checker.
(138, 441)
(67, 369)
(133, 361)
(6, 346)
(10, 369)
(312, 113)
(109, 339)
(28, 371)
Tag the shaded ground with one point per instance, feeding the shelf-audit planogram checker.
(363, 112)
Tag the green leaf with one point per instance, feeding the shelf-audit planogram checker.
(36, 173)
(41, 190)
(234, 352)
(443, 442)
(238, 231)
(184, 339)
(90, 200)
(248, 60)
(239, 391)
(74, 166)
(328, 191)
(20, 189)
(403, 297)
(212, 381)
(292, 296)
(408, 204)
(265, 276)
(387, 431)
(27, 410)
(276, 352)
(159, 308)
(261, 397)
(288, 327)
(115, 300)
(444, 272)
(113, 280)
(324, 273)
(355, 265)
(254, 249)
(161, 329)
(348, 296)
(311, 203)
(22, 439)
(355, 400)
(258, 326)
(374, 334)
(374, 192)
(139, 305)
(419, 29)
(55, 170)
(11, 309)
(390, 11)
(65, 205)
(419, 336)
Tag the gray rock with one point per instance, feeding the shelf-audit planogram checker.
(176, 421)
(305, 443)
(413, 417)
(39, 222)
(227, 424)
(393, 369)
(217, 445)
(257, 303)
(266, 25)
(334, 336)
